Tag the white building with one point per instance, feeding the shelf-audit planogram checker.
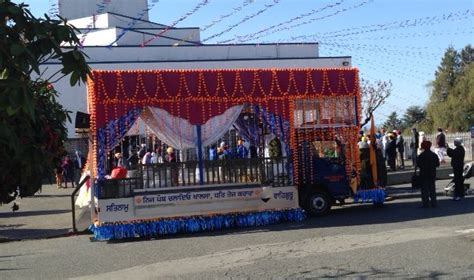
(115, 33)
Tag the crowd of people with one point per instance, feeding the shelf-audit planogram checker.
(390, 148)
(68, 170)
(389, 154)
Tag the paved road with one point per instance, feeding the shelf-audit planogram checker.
(48, 214)
(399, 240)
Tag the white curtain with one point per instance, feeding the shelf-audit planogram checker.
(217, 126)
(181, 134)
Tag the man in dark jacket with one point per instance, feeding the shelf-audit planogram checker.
(391, 152)
(401, 148)
(427, 162)
(457, 162)
(414, 145)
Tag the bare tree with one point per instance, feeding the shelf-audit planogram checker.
(373, 96)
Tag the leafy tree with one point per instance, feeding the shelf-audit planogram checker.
(373, 96)
(460, 103)
(392, 122)
(32, 122)
(413, 115)
(467, 56)
(441, 87)
(451, 100)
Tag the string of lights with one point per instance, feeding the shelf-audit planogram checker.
(201, 4)
(409, 75)
(451, 33)
(414, 57)
(101, 7)
(222, 17)
(243, 38)
(431, 33)
(342, 10)
(415, 50)
(54, 9)
(408, 23)
(461, 15)
(214, 22)
(132, 23)
(245, 19)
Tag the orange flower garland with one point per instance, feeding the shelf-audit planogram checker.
(273, 89)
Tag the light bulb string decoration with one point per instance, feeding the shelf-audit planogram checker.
(245, 19)
(263, 88)
(196, 8)
(242, 38)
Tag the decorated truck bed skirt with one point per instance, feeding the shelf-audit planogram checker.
(168, 226)
(155, 212)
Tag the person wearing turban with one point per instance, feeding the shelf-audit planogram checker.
(428, 162)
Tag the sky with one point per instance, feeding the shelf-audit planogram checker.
(398, 40)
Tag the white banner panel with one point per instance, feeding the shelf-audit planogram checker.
(190, 201)
(114, 210)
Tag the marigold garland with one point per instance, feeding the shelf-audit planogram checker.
(198, 95)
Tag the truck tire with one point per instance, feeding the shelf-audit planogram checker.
(319, 203)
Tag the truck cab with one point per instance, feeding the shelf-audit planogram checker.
(323, 177)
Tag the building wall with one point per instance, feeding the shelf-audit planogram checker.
(107, 20)
(73, 9)
(203, 52)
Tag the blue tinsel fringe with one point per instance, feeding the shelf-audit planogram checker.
(373, 195)
(194, 224)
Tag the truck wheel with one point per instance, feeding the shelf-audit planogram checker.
(319, 203)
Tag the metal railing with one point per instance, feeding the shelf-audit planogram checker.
(269, 171)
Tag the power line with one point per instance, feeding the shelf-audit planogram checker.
(222, 17)
(132, 23)
(201, 4)
(408, 23)
(101, 7)
(365, 2)
(245, 19)
(246, 37)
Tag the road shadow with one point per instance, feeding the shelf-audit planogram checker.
(29, 234)
(350, 215)
(372, 272)
(11, 226)
(32, 213)
(51, 195)
(392, 212)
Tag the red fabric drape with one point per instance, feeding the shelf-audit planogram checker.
(198, 95)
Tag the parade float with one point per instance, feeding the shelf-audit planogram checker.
(312, 114)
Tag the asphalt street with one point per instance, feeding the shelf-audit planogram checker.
(399, 240)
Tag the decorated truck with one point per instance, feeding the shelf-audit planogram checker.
(293, 152)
